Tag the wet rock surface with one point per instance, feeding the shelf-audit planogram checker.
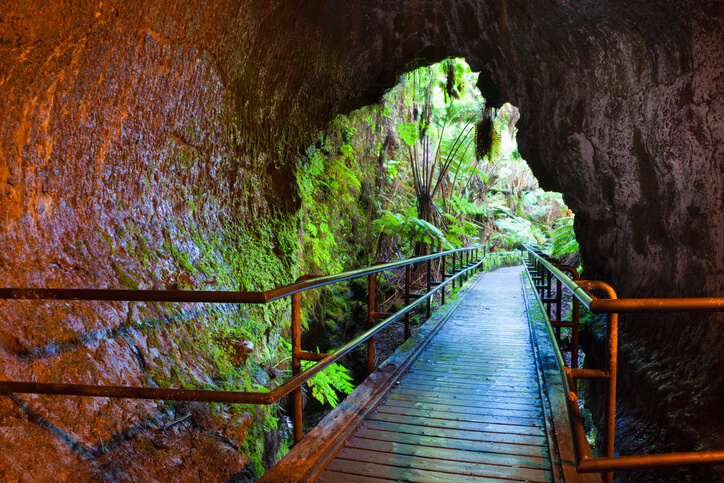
(127, 126)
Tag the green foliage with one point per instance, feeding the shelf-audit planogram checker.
(330, 178)
(408, 227)
(563, 238)
(125, 276)
(435, 178)
(515, 231)
(409, 132)
(324, 385)
(460, 231)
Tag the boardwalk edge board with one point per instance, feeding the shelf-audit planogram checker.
(556, 419)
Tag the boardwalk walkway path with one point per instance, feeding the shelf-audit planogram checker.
(468, 409)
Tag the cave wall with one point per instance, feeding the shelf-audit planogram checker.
(134, 135)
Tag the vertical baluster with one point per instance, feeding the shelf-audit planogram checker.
(442, 274)
(429, 286)
(611, 367)
(297, 365)
(452, 272)
(407, 301)
(558, 309)
(575, 315)
(370, 323)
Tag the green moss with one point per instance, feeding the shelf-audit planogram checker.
(125, 277)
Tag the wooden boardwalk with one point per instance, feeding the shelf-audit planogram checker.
(468, 409)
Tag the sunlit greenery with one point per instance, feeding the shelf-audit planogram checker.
(452, 174)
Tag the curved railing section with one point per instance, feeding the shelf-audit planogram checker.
(542, 270)
(464, 261)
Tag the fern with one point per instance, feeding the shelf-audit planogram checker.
(325, 385)
(563, 238)
(408, 227)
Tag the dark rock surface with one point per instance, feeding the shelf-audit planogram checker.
(127, 125)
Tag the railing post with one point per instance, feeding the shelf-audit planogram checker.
(467, 265)
(466, 257)
(609, 420)
(575, 316)
(558, 307)
(452, 272)
(297, 366)
(442, 275)
(407, 301)
(370, 323)
(549, 276)
(429, 286)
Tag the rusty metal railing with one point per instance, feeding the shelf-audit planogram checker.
(541, 269)
(464, 261)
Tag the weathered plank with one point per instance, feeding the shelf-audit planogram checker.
(465, 401)
(533, 453)
(402, 474)
(448, 423)
(337, 477)
(463, 412)
(523, 426)
(441, 432)
(452, 454)
(430, 462)
(474, 385)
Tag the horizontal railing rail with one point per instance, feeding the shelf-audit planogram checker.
(464, 261)
(542, 268)
(220, 296)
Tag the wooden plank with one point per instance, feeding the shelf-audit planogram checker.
(467, 370)
(514, 388)
(491, 401)
(492, 387)
(461, 468)
(484, 346)
(330, 476)
(429, 430)
(460, 411)
(474, 426)
(453, 398)
(472, 383)
(451, 454)
(489, 408)
(401, 474)
(448, 355)
(535, 453)
(488, 350)
(462, 370)
(511, 426)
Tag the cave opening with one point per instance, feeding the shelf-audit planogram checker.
(429, 166)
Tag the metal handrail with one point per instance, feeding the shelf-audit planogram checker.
(540, 262)
(246, 397)
(218, 296)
